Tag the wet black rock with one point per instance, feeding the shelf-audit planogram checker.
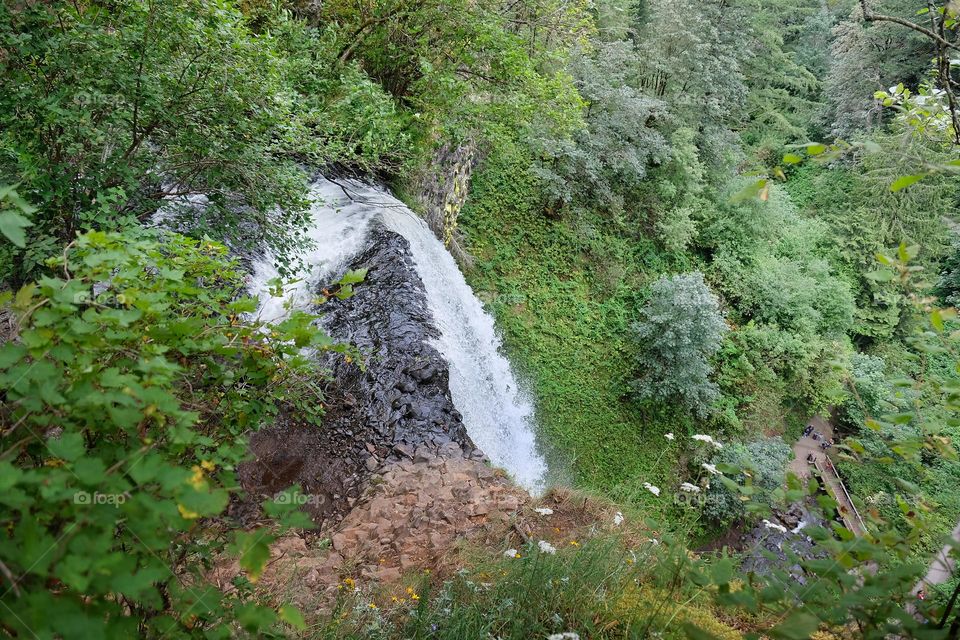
(767, 549)
(394, 404)
(402, 388)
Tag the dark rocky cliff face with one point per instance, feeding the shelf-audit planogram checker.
(403, 394)
(393, 405)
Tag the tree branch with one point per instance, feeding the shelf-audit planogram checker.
(869, 16)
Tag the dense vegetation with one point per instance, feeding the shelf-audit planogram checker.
(690, 219)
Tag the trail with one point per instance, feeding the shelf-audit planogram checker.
(943, 565)
(805, 446)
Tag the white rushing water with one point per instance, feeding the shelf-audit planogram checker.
(497, 413)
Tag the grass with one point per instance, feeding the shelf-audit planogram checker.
(601, 589)
(564, 294)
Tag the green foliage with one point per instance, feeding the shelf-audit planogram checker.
(564, 299)
(128, 390)
(14, 216)
(864, 216)
(870, 394)
(104, 113)
(693, 55)
(771, 264)
(465, 68)
(598, 589)
(868, 580)
(678, 194)
(759, 464)
(784, 94)
(948, 284)
(679, 331)
(603, 163)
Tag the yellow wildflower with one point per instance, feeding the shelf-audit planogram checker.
(186, 513)
(208, 465)
(196, 480)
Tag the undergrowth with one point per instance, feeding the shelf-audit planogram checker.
(601, 589)
(564, 296)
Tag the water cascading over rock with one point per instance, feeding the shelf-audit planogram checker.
(433, 374)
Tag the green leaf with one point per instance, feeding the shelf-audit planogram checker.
(12, 225)
(9, 475)
(722, 571)
(68, 446)
(907, 253)
(292, 616)
(815, 149)
(750, 191)
(205, 503)
(90, 471)
(11, 353)
(792, 158)
(880, 275)
(904, 181)
(254, 550)
(936, 319)
(354, 276)
(799, 626)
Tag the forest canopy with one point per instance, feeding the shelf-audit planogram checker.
(695, 222)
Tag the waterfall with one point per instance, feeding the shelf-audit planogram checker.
(497, 413)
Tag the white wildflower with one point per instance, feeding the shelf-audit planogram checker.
(544, 511)
(653, 541)
(690, 488)
(566, 635)
(712, 468)
(510, 553)
(652, 489)
(668, 436)
(708, 439)
(617, 519)
(774, 526)
(546, 547)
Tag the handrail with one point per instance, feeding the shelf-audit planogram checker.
(863, 526)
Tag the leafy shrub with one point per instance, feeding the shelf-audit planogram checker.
(103, 115)
(870, 394)
(126, 396)
(764, 460)
(679, 330)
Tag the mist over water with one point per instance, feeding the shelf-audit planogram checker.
(497, 413)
